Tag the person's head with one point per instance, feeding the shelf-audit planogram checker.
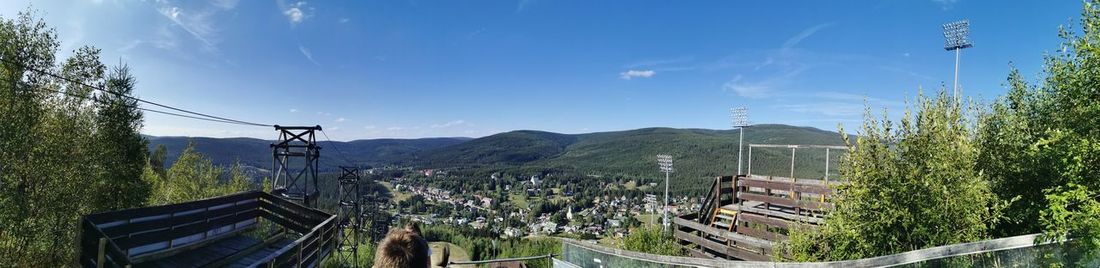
(403, 247)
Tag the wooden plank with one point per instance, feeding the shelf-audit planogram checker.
(141, 212)
(719, 247)
(760, 219)
(183, 231)
(767, 199)
(788, 215)
(774, 200)
(286, 223)
(297, 209)
(289, 215)
(145, 226)
(738, 238)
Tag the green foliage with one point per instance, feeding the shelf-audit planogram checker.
(482, 245)
(365, 254)
(64, 155)
(1041, 143)
(912, 186)
(194, 177)
(652, 240)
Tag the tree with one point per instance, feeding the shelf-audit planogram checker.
(194, 177)
(121, 148)
(652, 240)
(910, 186)
(53, 166)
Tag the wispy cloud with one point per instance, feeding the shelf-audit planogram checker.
(307, 54)
(473, 34)
(341, 119)
(946, 4)
(449, 124)
(659, 62)
(297, 12)
(293, 110)
(794, 40)
(761, 88)
(523, 5)
(344, 20)
(631, 74)
(198, 22)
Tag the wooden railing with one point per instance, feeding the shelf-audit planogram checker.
(767, 207)
(125, 237)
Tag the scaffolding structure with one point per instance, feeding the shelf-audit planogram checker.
(349, 217)
(294, 163)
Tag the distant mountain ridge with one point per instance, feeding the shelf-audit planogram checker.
(699, 153)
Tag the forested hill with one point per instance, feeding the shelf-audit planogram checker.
(257, 153)
(699, 153)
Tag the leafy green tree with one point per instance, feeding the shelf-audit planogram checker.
(53, 166)
(912, 185)
(652, 240)
(158, 158)
(194, 177)
(1041, 143)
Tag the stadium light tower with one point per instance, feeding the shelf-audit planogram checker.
(665, 162)
(957, 37)
(740, 121)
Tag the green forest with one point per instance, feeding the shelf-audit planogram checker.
(70, 150)
(948, 171)
(955, 171)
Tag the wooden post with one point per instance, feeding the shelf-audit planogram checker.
(102, 258)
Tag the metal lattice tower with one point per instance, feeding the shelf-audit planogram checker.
(379, 222)
(294, 162)
(349, 216)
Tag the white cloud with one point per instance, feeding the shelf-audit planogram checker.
(294, 110)
(309, 56)
(226, 4)
(369, 127)
(344, 20)
(794, 40)
(395, 128)
(946, 4)
(341, 119)
(199, 22)
(297, 12)
(764, 87)
(627, 75)
(324, 114)
(522, 5)
(449, 124)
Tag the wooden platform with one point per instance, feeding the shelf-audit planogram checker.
(761, 209)
(225, 252)
(214, 232)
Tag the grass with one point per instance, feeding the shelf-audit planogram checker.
(647, 218)
(398, 196)
(631, 185)
(518, 199)
(457, 253)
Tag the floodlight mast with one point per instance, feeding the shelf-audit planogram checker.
(740, 121)
(957, 37)
(665, 162)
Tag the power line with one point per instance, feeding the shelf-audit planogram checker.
(341, 152)
(97, 100)
(227, 120)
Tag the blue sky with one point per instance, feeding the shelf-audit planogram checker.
(372, 69)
